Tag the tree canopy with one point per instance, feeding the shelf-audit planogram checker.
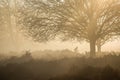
(88, 20)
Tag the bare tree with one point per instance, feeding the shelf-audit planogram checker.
(88, 20)
(3, 5)
(8, 30)
(107, 38)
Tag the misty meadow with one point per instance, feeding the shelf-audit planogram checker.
(59, 39)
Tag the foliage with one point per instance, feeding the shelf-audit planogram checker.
(83, 68)
(71, 19)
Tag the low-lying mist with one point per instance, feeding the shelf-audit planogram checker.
(60, 65)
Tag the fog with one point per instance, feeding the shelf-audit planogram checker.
(6, 45)
(59, 39)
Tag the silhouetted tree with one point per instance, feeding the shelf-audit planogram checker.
(88, 20)
(8, 28)
(2, 22)
(107, 38)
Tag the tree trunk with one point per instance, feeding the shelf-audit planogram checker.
(99, 48)
(92, 48)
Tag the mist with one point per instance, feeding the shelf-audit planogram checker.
(59, 39)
